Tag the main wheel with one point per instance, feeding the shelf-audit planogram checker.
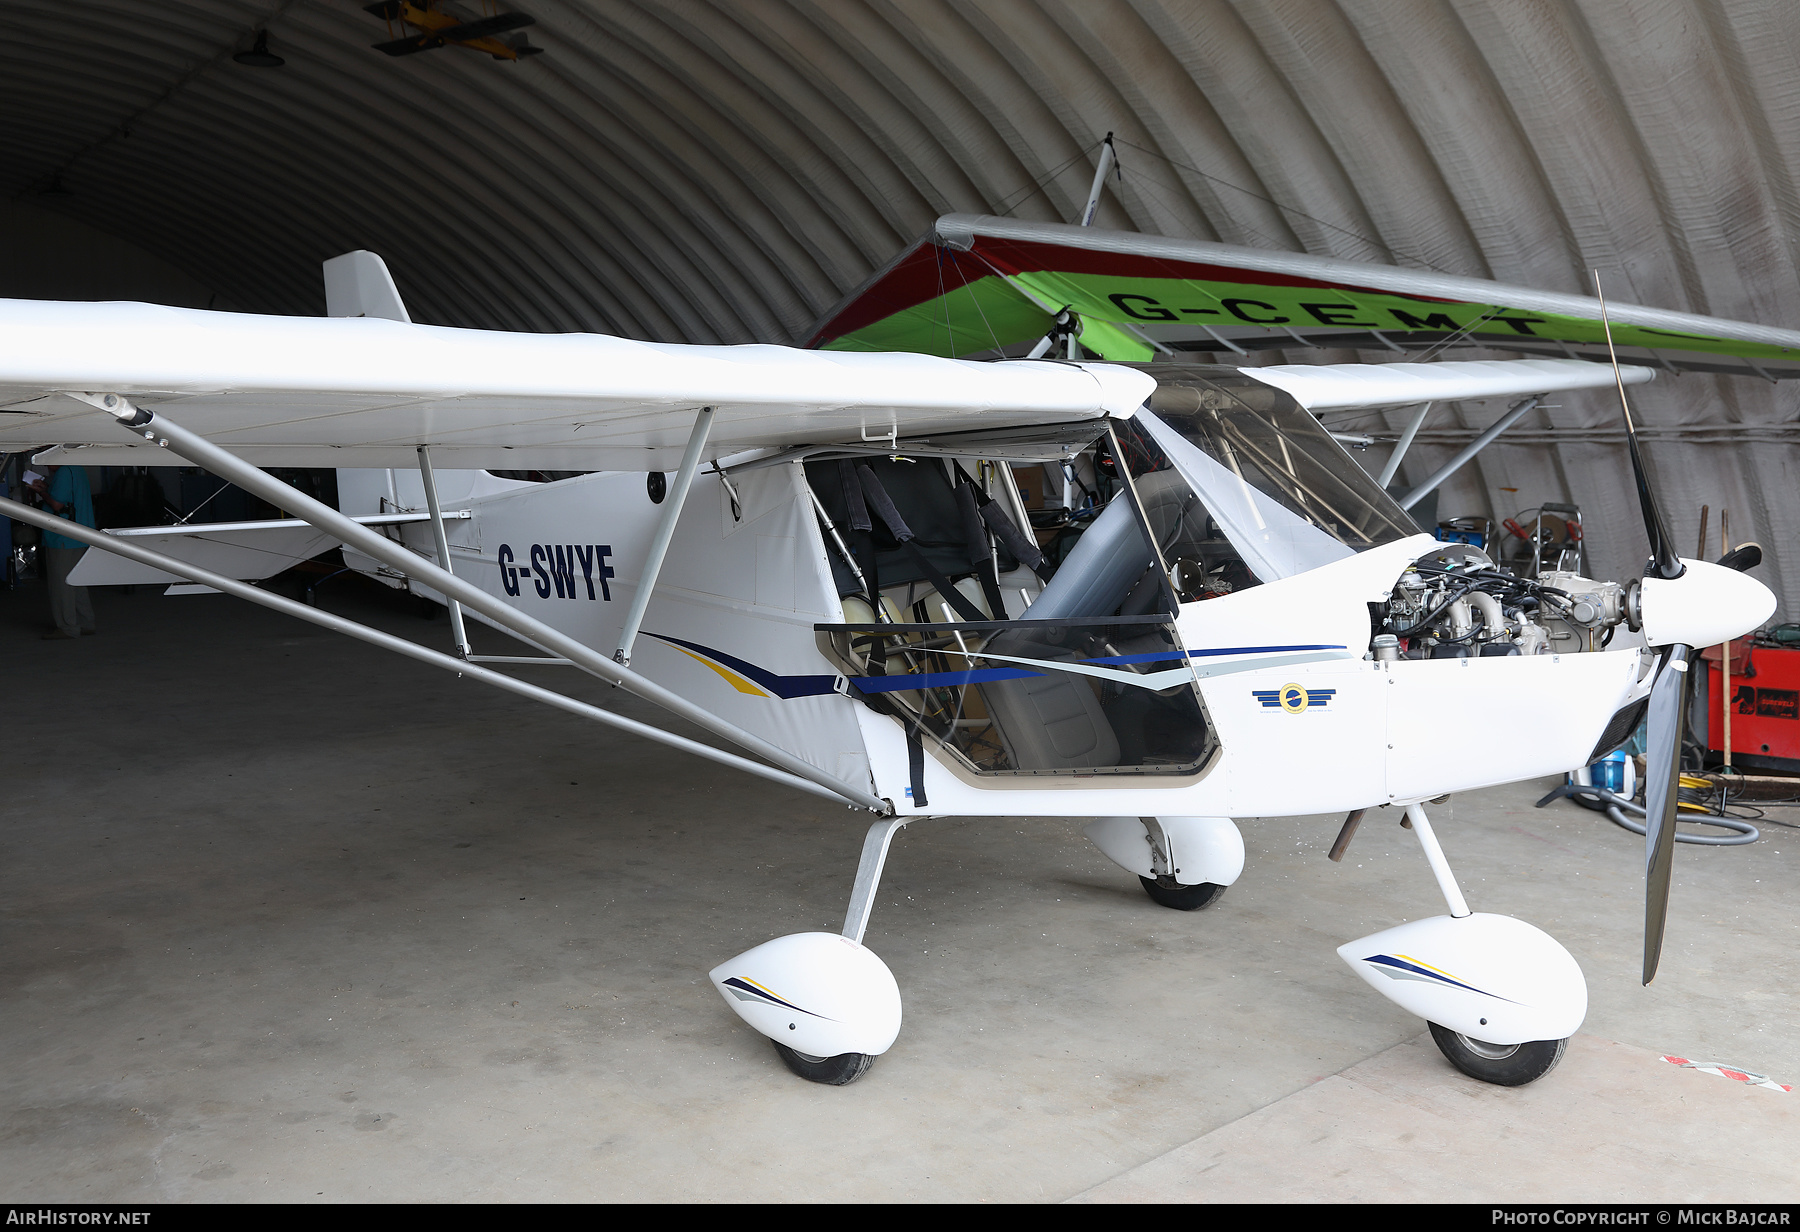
(837, 1071)
(1506, 1065)
(1168, 892)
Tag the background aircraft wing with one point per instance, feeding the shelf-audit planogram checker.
(364, 392)
(1336, 387)
(975, 284)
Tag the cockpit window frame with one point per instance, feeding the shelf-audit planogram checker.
(1330, 506)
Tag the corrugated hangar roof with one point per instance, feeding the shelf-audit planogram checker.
(725, 172)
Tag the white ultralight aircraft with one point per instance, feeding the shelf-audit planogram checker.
(850, 593)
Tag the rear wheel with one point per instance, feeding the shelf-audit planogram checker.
(1506, 1065)
(1168, 892)
(837, 1071)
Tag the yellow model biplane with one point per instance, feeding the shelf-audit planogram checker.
(441, 23)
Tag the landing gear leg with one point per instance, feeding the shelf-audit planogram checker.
(868, 875)
(828, 1005)
(1501, 997)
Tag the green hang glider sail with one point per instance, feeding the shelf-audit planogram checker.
(978, 285)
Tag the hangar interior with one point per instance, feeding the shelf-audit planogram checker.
(223, 826)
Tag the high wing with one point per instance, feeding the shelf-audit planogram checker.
(976, 284)
(365, 392)
(1342, 387)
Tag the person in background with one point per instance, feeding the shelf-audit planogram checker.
(67, 495)
(7, 579)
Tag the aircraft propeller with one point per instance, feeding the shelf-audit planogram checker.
(1667, 718)
(1712, 597)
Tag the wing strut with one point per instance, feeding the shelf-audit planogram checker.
(1406, 439)
(387, 641)
(202, 452)
(459, 634)
(665, 531)
(1513, 414)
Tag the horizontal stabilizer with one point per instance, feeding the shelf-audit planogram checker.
(248, 551)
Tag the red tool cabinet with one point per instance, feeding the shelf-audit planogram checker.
(1765, 706)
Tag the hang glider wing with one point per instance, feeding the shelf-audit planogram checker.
(977, 284)
(364, 392)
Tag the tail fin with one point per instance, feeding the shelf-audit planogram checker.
(358, 284)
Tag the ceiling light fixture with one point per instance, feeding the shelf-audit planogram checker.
(259, 56)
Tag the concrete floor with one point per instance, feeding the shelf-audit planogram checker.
(285, 918)
(1616, 1125)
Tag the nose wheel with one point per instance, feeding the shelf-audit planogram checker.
(1167, 892)
(1485, 984)
(1506, 1065)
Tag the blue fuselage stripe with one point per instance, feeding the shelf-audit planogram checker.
(814, 686)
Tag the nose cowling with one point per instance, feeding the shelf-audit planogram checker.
(1705, 606)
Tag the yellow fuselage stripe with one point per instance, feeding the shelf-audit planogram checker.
(732, 678)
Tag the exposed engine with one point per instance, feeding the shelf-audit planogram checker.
(1457, 604)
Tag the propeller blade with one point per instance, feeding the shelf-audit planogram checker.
(1743, 557)
(1662, 548)
(1667, 720)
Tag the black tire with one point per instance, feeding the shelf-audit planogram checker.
(837, 1071)
(1168, 892)
(1505, 1065)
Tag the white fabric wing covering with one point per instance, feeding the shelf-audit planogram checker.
(361, 392)
(1327, 387)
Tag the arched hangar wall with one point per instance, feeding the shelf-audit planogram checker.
(724, 172)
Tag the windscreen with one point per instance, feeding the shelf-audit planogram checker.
(1280, 488)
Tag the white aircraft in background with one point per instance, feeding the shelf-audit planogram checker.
(849, 593)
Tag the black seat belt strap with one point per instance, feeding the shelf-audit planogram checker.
(862, 537)
(896, 525)
(853, 497)
(981, 552)
(1023, 547)
(915, 767)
